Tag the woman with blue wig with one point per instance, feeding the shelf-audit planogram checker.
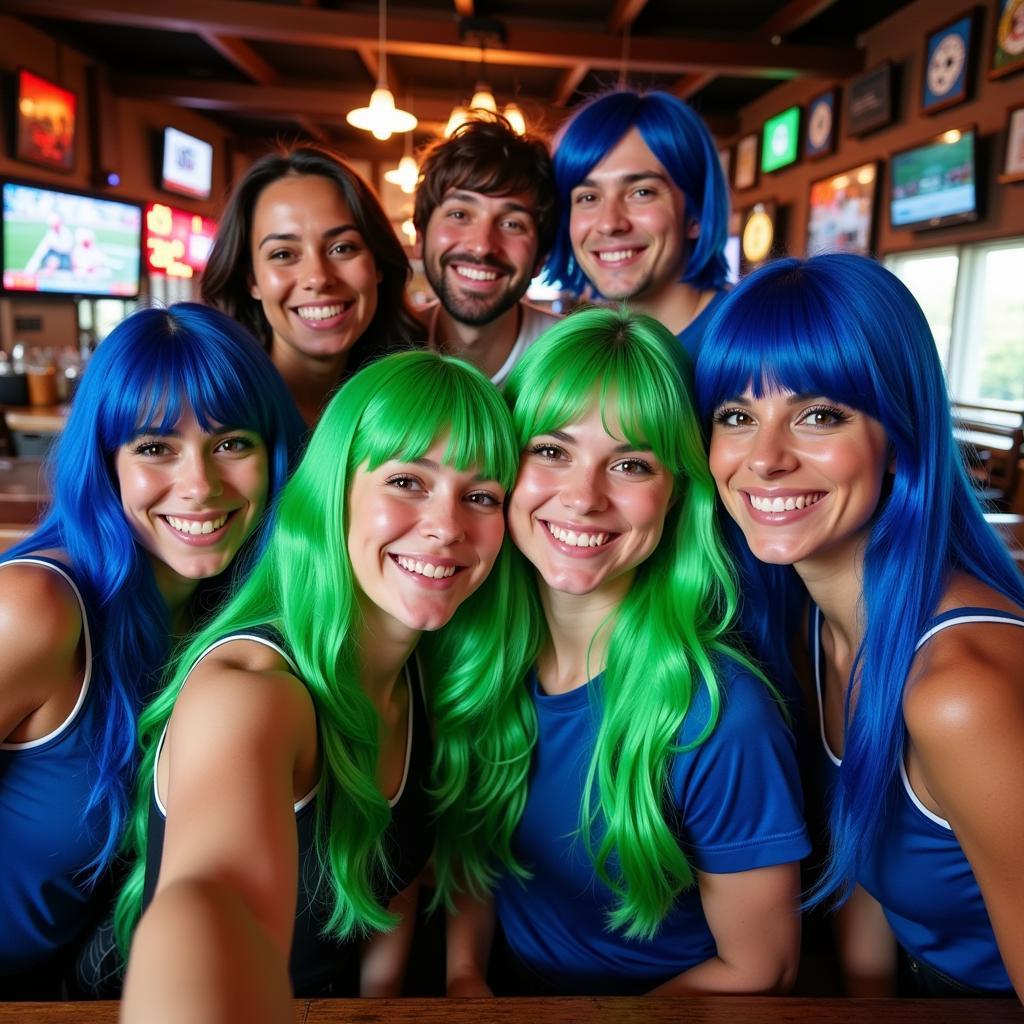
(179, 438)
(644, 209)
(832, 449)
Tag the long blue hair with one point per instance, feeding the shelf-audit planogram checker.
(680, 140)
(151, 368)
(844, 327)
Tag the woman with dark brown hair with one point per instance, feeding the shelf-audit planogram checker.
(306, 258)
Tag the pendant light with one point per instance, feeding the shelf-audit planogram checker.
(382, 118)
(407, 173)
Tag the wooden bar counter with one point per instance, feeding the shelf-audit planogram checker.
(720, 1010)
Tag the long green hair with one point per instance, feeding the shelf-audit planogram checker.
(304, 585)
(668, 636)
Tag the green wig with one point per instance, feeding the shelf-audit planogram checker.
(666, 637)
(304, 585)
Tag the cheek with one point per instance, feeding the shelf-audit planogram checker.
(489, 533)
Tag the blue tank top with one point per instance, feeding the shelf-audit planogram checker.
(46, 838)
(916, 868)
(321, 966)
(734, 803)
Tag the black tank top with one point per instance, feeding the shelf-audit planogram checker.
(322, 966)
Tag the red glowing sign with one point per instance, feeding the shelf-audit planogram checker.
(177, 243)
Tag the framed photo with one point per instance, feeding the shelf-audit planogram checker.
(1013, 163)
(1007, 39)
(841, 211)
(746, 162)
(780, 140)
(869, 101)
(948, 63)
(45, 122)
(725, 159)
(820, 134)
(758, 237)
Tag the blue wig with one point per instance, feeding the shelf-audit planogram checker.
(843, 327)
(684, 147)
(153, 366)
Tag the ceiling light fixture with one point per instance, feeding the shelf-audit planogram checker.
(382, 118)
(407, 174)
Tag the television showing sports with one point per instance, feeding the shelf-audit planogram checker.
(841, 214)
(935, 183)
(186, 164)
(780, 140)
(66, 242)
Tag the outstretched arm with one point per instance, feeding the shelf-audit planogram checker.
(867, 947)
(385, 955)
(470, 933)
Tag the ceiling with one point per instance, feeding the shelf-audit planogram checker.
(267, 69)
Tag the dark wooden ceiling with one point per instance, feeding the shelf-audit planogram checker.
(267, 68)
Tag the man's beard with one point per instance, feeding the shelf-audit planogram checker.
(468, 309)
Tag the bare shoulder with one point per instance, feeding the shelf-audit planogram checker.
(969, 678)
(37, 608)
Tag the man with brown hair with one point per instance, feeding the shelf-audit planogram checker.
(485, 220)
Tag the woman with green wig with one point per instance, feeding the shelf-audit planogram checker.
(631, 814)
(282, 818)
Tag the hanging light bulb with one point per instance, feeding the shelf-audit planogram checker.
(456, 119)
(483, 98)
(409, 230)
(515, 118)
(405, 175)
(381, 117)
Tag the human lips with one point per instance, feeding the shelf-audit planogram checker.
(198, 529)
(428, 569)
(781, 506)
(476, 272)
(577, 540)
(322, 313)
(617, 257)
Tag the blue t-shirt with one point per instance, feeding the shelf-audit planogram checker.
(46, 838)
(692, 336)
(916, 868)
(738, 804)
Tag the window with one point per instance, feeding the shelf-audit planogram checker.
(974, 303)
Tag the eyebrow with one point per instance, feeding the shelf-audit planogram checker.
(627, 179)
(473, 198)
(434, 465)
(561, 435)
(288, 237)
(794, 399)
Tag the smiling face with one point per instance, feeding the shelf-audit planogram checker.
(480, 253)
(627, 224)
(422, 537)
(801, 475)
(311, 269)
(192, 498)
(588, 507)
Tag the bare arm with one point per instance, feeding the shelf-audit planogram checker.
(470, 934)
(867, 948)
(237, 742)
(755, 920)
(385, 955)
(965, 717)
(42, 665)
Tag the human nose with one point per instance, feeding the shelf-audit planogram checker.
(316, 272)
(480, 237)
(583, 491)
(771, 453)
(611, 217)
(442, 520)
(199, 478)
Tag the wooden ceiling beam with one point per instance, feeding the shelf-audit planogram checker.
(242, 56)
(624, 13)
(569, 83)
(438, 39)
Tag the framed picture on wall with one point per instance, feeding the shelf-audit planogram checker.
(820, 135)
(948, 63)
(45, 122)
(1013, 162)
(1007, 53)
(869, 104)
(758, 237)
(746, 162)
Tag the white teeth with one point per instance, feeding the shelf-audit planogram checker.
(779, 504)
(475, 274)
(428, 569)
(577, 540)
(319, 312)
(615, 257)
(195, 528)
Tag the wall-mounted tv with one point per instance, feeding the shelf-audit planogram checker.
(177, 243)
(186, 164)
(935, 183)
(841, 211)
(780, 140)
(66, 242)
(44, 131)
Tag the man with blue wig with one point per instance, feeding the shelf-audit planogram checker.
(643, 209)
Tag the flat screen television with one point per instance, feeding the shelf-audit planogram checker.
(935, 183)
(186, 164)
(780, 140)
(69, 243)
(841, 211)
(45, 117)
